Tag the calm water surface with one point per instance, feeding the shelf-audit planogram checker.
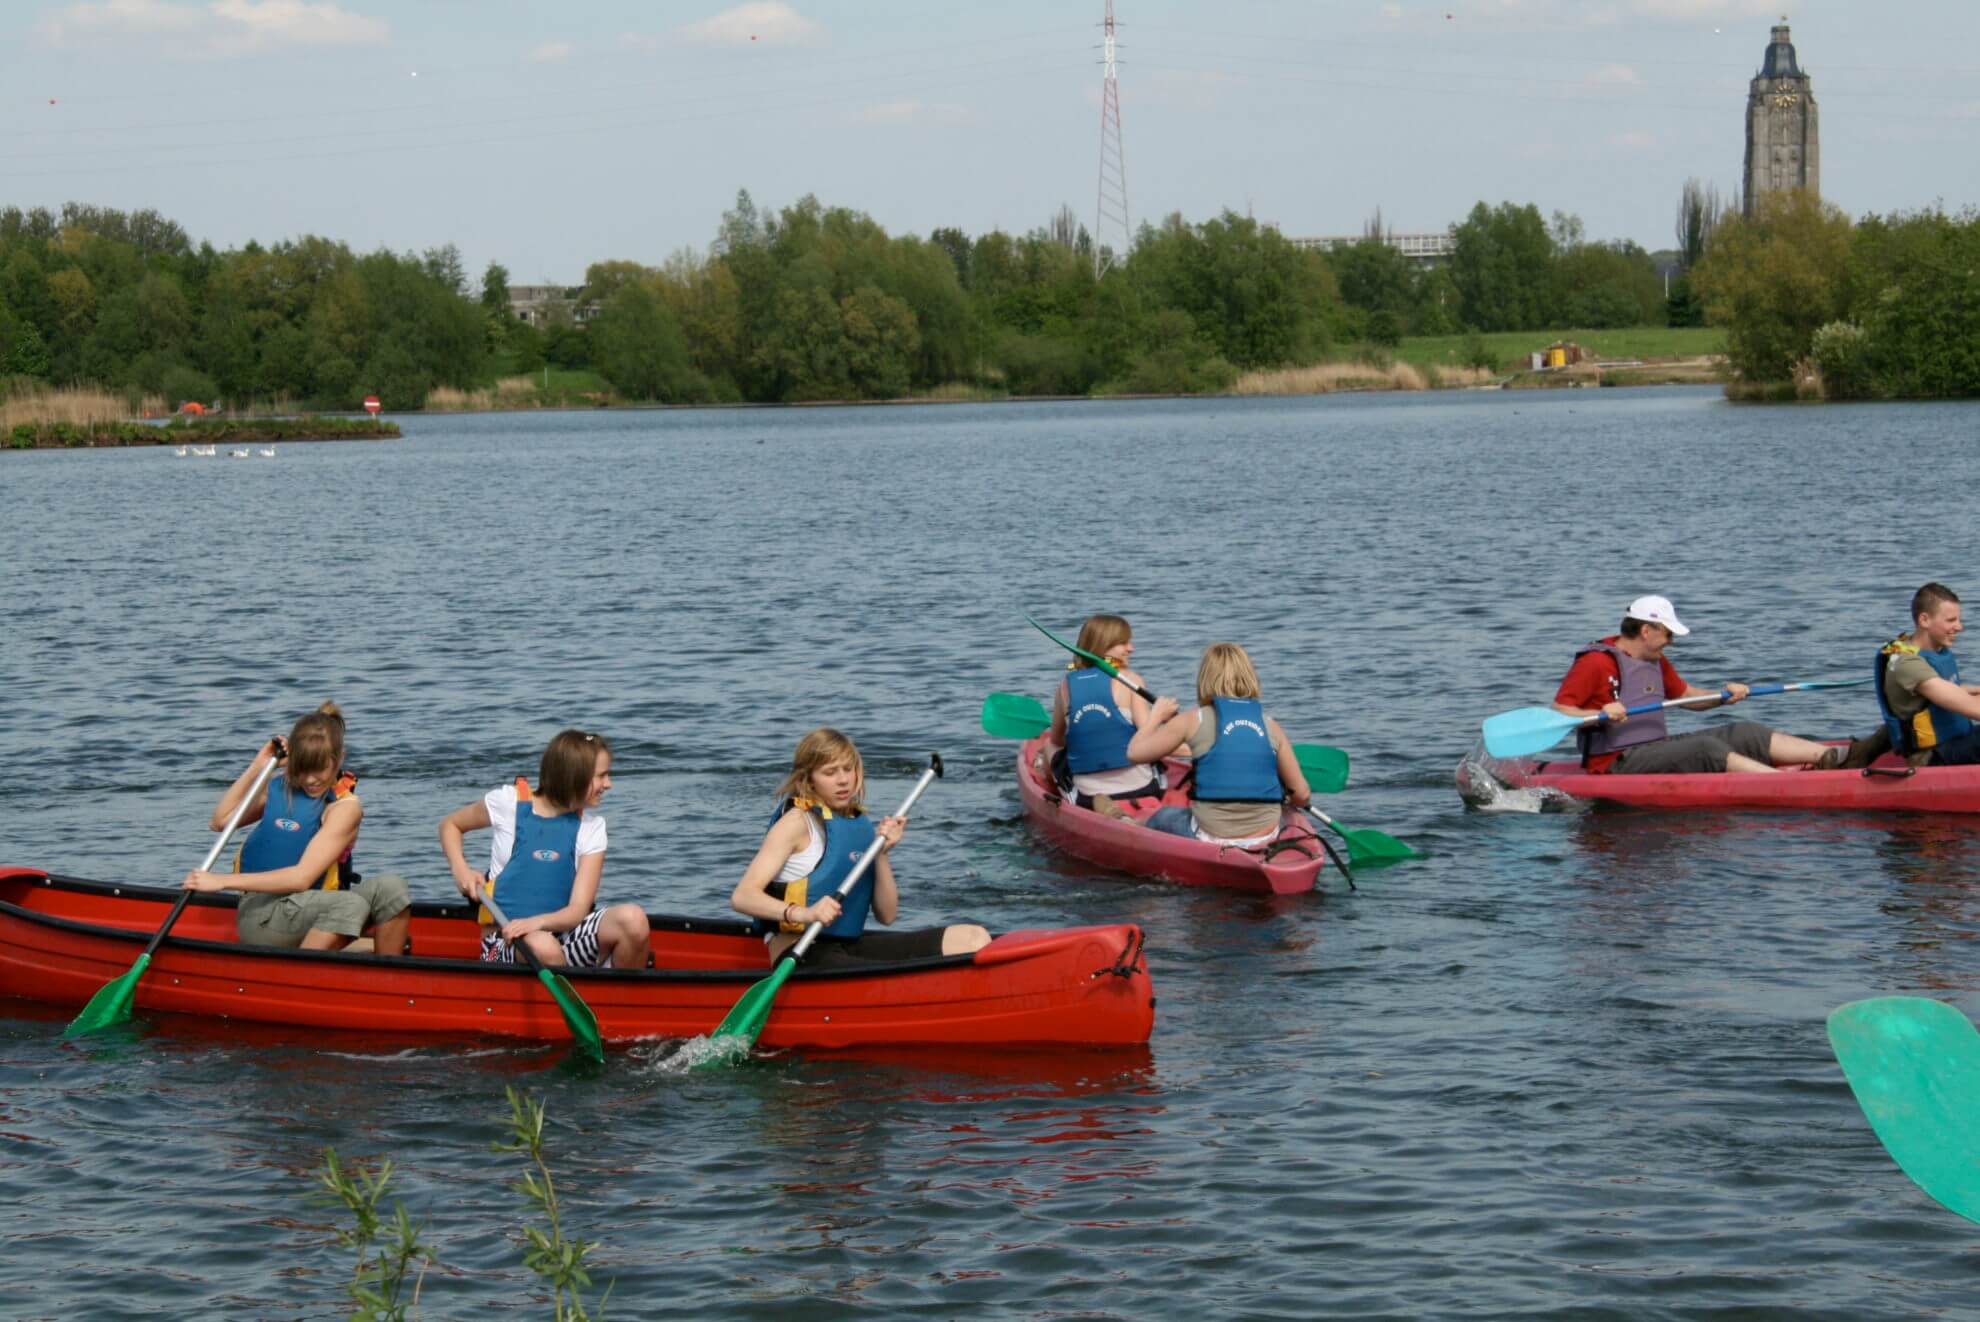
(1567, 1065)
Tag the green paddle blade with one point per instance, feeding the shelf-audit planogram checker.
(747, 1018)
(1375, 847)
(1015, 716)
(112, 1003)
(583, 1023)
(1914, 1065)
(1326, 768)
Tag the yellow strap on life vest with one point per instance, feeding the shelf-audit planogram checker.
(1924, 734)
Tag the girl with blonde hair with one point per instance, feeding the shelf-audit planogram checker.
(818, 832)
(546, 854)
(1094, 717)
(297, 882)
(1245, 769)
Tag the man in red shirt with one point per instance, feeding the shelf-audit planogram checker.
(1629, 669)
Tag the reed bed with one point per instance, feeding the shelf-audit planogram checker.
(1327, 378)
(511, 392)
(29, 401)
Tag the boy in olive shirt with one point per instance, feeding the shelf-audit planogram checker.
(1930, 714)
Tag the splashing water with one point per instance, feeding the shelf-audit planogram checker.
(680, 1055)
(1482, 784)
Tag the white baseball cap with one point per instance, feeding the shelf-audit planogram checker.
(1656, 610)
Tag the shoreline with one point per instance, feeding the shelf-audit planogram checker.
(125, 435)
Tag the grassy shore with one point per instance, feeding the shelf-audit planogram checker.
(1510, 349)
(216, 431)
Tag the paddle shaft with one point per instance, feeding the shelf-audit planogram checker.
(1757, 691)
(240, 809)
(1100, 661)
(804, 942)
(1339, 862)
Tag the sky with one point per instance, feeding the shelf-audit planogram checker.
(548, 136)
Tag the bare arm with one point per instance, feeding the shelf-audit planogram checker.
(1165, 730)
(339, 829)
(474, 817)
(232, 798)
(1290, 774)
(751, 896)
(1055, 738)
(1943, 693)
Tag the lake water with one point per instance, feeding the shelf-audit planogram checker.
(1567, 1065)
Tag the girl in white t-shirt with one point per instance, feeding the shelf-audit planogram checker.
(548, 883)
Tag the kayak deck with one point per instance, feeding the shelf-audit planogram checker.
(1133, 848)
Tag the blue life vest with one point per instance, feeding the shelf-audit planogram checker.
(1097, 731)
(1933, 726)
(289, 821)
(542, 864)
(1637, 682)
(1239, 766)
(846, 838)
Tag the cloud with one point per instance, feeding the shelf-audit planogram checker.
(643, 42)
(551, 52)
(1633, 140)
(769, 23)
(219, 28)
(911, 112)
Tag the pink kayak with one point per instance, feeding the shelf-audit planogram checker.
(1888, 785)
(1294, 862)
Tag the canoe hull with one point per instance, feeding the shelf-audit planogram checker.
(1889, 787)
(1155, 855)
(62, 938)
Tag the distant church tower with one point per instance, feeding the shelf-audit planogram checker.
(1783, 143)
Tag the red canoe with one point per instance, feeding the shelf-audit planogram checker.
(1133, 848)
(1888, 786)
(62, 938)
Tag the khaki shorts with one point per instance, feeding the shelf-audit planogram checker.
(284, 920)
(1698, 752)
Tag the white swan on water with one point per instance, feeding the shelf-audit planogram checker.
(268, 453)
(239, 454)
(181, 452)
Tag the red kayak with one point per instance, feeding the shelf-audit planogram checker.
(1888, 785)
(1294, 862)
(62, 938)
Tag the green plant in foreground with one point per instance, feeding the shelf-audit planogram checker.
(559, 1260)
(378, 1285)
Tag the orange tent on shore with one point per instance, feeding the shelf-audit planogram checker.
(193, 407)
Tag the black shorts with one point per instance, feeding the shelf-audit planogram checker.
(874, 948)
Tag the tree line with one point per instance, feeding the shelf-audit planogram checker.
(1884, 307)
(802, 302)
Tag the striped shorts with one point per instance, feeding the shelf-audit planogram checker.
(580, 944)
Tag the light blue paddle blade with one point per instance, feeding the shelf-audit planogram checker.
(1528, 730)
(1914, 1065)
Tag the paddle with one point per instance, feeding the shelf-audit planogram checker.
(1536, 729)
(1364, 846)
(112, 1002)
(586, 1043)
(746, 1020)
(1914, 1065)
(1100, 661)
(1019, 716)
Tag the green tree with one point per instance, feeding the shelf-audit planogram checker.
(1772, 280)
(880, 342)
(1502, 264)
(639, 348)
(29, 356)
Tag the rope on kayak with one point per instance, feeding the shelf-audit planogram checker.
(1128, 962)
